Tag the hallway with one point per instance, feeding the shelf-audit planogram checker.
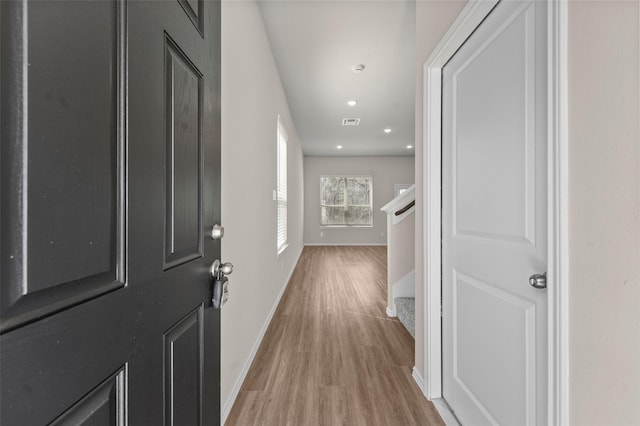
(331, 355)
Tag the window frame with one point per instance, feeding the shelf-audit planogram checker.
(346, 205)
(281, 192)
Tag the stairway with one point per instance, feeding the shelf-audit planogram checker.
(406, 312)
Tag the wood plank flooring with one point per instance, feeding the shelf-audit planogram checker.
(331, 356)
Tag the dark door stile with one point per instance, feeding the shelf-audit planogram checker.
(109, 182)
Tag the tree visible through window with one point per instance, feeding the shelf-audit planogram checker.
(346, 201)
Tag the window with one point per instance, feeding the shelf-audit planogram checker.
(281, 188)
(401, 187)
(346, 201)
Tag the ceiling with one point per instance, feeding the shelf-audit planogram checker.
(317, 42)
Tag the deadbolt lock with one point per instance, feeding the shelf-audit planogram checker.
(217, 232)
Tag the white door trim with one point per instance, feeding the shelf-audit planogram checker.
(558, 244)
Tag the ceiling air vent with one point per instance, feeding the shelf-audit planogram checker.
(350, 121)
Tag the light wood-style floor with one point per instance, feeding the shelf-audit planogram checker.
(331, 355)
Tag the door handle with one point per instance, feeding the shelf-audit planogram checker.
(217, 232)
(538, 280)
(219, 272)
(218, 269)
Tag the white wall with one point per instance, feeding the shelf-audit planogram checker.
(252, 97)
(386, 172)
(433, 19)
(402, 242)
(604, 212)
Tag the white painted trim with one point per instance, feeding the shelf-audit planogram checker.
(391, 311)
(440, 405)
(399, 201)
(345, 244)
(468, 20)
(418, 378)
(558, 256)
(245, 369)
(558, 220)
(432, 237)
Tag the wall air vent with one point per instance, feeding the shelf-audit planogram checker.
(350, 121)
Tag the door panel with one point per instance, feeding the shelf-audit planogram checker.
(60, 75)
(60, 168)
(484, 318)
(502, 209)
(194, 10)
(183, 240)
(184, 354)
(104, 405)
(494, 220)
(110, 180)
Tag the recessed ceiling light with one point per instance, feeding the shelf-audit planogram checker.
(339, 146)
(358, 68)
(387, 130)
(409, 146)
(352, 102)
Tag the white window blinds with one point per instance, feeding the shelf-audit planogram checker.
(281, 188)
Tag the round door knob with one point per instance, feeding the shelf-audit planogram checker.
(226, 268)
(219, 269)
(538, 280)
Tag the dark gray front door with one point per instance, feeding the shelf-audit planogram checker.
(110, 182)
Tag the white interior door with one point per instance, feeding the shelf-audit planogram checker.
(494, 224)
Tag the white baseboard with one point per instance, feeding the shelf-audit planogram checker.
(391, 312)
(226, 409)
(345, 244)
(419, 380)
(441, 406)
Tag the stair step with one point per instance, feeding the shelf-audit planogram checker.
(406, 311)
